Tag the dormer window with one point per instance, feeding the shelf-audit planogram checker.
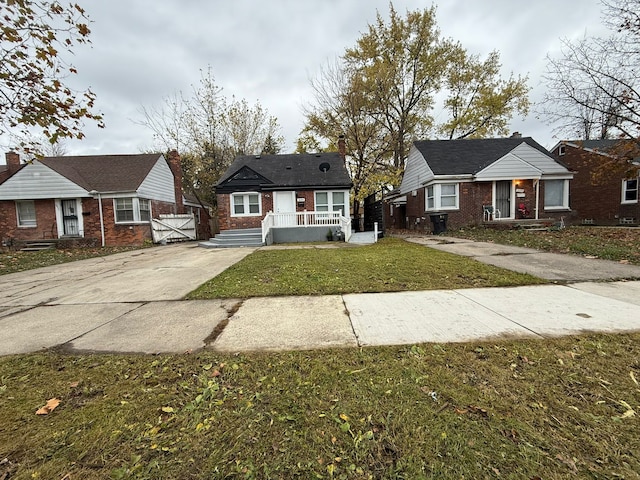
(561, 150)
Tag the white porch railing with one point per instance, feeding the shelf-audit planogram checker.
(306, 219)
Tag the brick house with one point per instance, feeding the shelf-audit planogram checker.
(282, 193)
(475, 181)
(605, 186)
(91, 200)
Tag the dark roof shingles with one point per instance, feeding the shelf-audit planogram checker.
(469, 156)
(294, 170)
(104, 173)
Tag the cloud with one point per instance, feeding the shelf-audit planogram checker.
(144, 50)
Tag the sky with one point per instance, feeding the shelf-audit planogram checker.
(146, 50)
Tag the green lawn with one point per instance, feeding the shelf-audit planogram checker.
(387, 266)
(552, 409)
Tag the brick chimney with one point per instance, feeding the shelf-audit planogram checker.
(342, 147)
(176, 168)
(13, 162)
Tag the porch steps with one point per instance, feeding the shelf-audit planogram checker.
(250, 237)
(535, 227)
(38, 246)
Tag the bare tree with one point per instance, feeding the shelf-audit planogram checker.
(209, 131)
(593, 86)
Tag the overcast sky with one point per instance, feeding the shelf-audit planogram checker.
(145, 50)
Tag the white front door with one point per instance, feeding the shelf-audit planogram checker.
(284, 203)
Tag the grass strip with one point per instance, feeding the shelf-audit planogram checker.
(390, 265)
(621, 244)
(558, 408)
(17, 261)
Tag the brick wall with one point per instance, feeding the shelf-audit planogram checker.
(46, 226)
(596, 194)
(45, 221)
(227, 222)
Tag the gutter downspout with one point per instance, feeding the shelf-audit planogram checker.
(537, 197)
(94, 193)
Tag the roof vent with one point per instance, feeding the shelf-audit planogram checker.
(324, 167)
(288, 167)
(257, 156)
(318, 155)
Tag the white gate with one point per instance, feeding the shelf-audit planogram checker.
(173, 228)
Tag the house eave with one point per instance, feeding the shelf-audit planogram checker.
(447, 178)
(271, 188)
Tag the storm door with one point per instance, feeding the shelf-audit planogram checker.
(70, 218)
(503, 199)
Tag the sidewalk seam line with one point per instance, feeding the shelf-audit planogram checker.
(459, 292)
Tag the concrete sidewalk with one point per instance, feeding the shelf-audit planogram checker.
(131, 303)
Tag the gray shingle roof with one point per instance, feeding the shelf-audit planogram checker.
(104, 173)
(601, 145)
(290, 171)
(469, 156)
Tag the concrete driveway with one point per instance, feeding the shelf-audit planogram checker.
(115, 303)
(131, 302)
(550, 266)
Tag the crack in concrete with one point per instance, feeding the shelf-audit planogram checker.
(219, 328)
(65, 346)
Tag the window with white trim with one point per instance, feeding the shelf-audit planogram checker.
(245, 205)
(630, 191)
(431, 199)
(331, 202)
(556, 194)
(132, 210)
(26, 213)
(442, 196)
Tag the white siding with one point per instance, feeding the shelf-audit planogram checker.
(37, 181)
(416, 172)
(538, 159)
(507, 168)
(159, 183)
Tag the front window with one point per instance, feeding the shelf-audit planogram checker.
(556, 194)
(145, 210)
(431, 199)
(442, 196)
(26, 213)
(132, 210)
(245, 204)
(630, 191)
(331, 202)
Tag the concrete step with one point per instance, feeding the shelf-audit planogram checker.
(251, 237)
(38, 246)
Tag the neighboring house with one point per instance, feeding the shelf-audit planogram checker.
(92, 200)
(294, 197)
(605, 186)
(12, 166)
(481, 180)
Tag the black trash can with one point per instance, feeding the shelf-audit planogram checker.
(439, 221)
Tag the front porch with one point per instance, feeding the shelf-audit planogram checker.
(292, 227)
(307, 226)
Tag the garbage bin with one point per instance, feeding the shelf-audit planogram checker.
(439, 221)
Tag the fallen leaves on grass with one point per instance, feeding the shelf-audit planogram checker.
(50, 406)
